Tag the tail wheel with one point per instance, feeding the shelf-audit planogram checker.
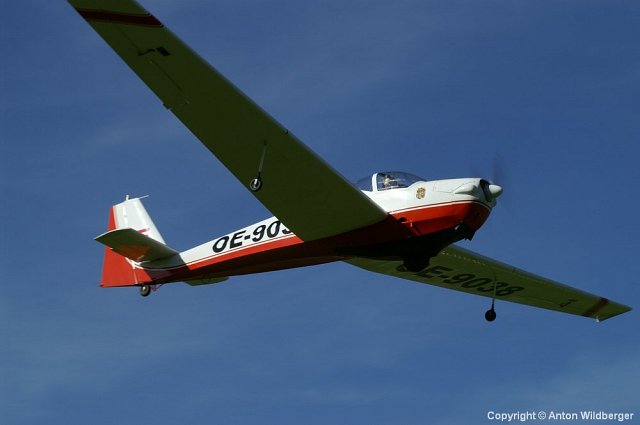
(145, 290)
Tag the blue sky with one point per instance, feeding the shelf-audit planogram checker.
(437, 88)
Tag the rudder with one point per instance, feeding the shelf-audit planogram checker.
(118, 270)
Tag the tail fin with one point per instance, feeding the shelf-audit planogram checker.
(132, 215)
(118, 270)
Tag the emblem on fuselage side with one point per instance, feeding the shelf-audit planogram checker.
(420, 192)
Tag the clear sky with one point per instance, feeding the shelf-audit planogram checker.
(549, 90)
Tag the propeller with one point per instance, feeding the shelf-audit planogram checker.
(498, 178)
(499, 172)
(500, 175)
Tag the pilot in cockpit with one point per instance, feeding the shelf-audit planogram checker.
(388, 182)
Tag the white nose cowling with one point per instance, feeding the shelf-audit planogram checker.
(495, 190)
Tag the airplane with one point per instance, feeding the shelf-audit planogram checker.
(390, 222)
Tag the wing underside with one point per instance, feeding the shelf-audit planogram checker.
(304, 192)
(462, 270)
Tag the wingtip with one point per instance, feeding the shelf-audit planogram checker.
(614, 310)
(115, 12)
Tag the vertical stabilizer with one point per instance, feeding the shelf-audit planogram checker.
(118, 270)
(132, 214)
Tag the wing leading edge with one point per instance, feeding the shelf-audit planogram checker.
(303, 191)
(462, 270)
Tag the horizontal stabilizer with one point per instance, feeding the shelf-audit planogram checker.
(135, 245)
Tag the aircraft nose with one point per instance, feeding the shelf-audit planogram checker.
(482, 189)
(491, 191)
(495, 190)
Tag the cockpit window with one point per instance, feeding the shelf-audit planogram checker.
(388, 180)
(395, 179)
(365, 184)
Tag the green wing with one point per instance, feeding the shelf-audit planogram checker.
(304, 192)
(462, 270)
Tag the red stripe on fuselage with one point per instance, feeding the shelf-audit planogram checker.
(145, 20)
(290, 251)
(439, 204)
(435, 217)
(265, 246)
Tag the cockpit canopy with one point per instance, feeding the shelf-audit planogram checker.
(387, 180)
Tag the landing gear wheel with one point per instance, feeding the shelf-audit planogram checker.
(145, 290)
(490, 315)
(416, 264)
(255, 184)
